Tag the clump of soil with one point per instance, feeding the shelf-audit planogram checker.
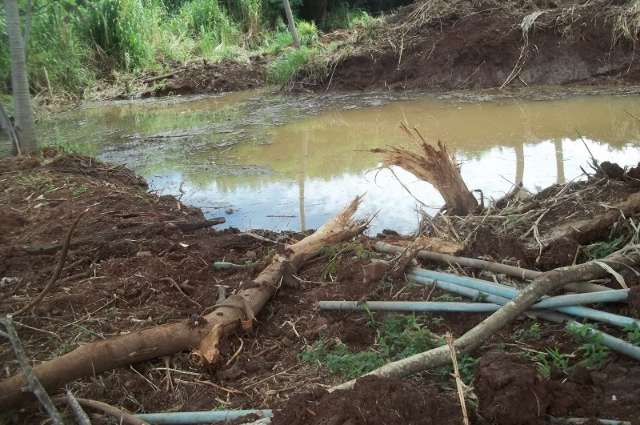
(372, 401)
(204, 77)
(503, 383)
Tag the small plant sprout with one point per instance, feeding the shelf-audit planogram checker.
(549, 360)
(532, 333)
(594, 352)
(633, 334)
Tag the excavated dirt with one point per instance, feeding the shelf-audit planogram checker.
(131, 266)
(198, 77)
(504, 381)
(477, 44)
(373, 401)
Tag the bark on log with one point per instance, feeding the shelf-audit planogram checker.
(436, 166)
(164, 340)
(543, 284)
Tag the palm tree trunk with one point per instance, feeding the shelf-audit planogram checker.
(291, 22)
(19, 79)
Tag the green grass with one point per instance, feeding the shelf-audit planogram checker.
(593, 352)
(532, 333)
(633, 334)
(551, 360)
(398, 337)
(603, 249)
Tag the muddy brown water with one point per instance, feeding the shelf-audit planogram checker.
(276, 162)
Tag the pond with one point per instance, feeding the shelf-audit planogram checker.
(278, 162)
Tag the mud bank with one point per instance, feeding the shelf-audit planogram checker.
(464, 44)
(138, 260)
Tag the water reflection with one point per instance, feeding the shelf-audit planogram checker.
(291, 163)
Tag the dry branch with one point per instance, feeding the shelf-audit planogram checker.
(57, 271)
(121, 415)
(29, 377)
(236, 310)
(543, 284)
(81, 416)
(436, 166)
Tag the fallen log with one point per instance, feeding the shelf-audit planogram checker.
(202, 335)
(543, 284)
(436, 166)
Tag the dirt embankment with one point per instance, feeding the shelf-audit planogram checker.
(137, 261)
(485, 44)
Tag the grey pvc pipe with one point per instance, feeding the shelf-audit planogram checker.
(580, 421)
(201, 417)
(518, 272)
(613, 295)
(476, 295)
(225, 265)
(610, 341)
(408, 306)
(508, 292)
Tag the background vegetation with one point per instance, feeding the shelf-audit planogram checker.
(72, 43)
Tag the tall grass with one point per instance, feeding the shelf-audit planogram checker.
(74, 42)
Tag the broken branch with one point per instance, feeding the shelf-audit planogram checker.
(56, 273)
(30, 377)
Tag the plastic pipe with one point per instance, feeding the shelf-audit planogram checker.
(225, 265)
(201, 417)
(580, 421)
(508, 292)
(476, 295)
(610, 341)
(614, 295)
(408, 306)
(517, 272)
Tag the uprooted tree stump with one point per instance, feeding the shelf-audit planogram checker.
(436, 166)
(202, 335)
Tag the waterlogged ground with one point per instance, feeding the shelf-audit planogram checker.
(270, 161)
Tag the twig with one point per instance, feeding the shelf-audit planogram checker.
(175, 285)
(56, 273)
(236, 353)
(81, 415)
(456, 375)
(32, 381)
(121, 415)
(258, 237)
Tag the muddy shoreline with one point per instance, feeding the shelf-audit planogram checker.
(156, 271)
(469, 45)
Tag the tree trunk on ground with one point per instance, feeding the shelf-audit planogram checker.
(543, 284)
(19, 79)
(435, 166)
(203, 335)
(291, 23)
